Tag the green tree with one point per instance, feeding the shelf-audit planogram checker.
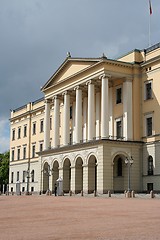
(4, 168)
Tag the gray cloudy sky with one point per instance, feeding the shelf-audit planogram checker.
(35, 36)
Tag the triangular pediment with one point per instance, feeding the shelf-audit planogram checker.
(69, 68)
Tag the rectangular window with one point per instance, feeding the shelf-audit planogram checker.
(12, 177)
(41, 147)
(70, 138)
(34, 129)
(24, 175)
(118, 95)
(17, 176)
(119, 129)
(33, 151)
(32, 176)
(13, 134)
(19, 132)
(25, 131)
(41, 126)
(12, 155)
(24, 152)
(70, 112)
(18, 154)
(148, 90)
(149, 126)
(50, 123)
(149, 187)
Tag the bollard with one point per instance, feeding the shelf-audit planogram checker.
(128, 194)
(109, 193)
(133, 194)
(95, 193)
(70, 193)
(82, 193)
(125, 193)
(152, 194)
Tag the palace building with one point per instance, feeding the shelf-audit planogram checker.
(97, 127)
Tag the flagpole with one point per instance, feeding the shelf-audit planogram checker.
(149, 30)
(150, 13)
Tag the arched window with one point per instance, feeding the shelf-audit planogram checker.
(119, 167)
(150, 165)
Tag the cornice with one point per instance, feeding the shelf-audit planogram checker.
(26, 113)
(152, 60)
(87, 145)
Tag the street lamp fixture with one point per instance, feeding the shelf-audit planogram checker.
(129, 162)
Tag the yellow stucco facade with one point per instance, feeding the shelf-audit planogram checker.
(97, 127)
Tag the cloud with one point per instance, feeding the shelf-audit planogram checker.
(4, 135)
(37, 34)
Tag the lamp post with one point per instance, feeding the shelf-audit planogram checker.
(28, 175)
(129, 162)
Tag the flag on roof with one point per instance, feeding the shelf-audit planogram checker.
(150, 7)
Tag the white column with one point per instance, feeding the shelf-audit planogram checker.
(78, 114)
(85, 119)
(66, 129)
(56, 122)
(47, 125)
(104, 108)
(110, 112)
(98, 114)
(91, 111)
(127, 110)
(73, 121)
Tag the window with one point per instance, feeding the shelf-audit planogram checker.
(13, 134)
(18, 154)
(24, 175)
(119, 129)
(12, 155)
(32, 176)
(24, 152)
(150, 165)
(118, 95)
(17, 176)
(33, 151)
(25, 131)
(41, 126)
(149, 187)
(149, 126)
(70, 138)
(32, 189)
(119, 167)
(50, 123)
(34, 129)
(41, 147)
(71, 112)
(12, 177)
(148, 90)
(19, 132)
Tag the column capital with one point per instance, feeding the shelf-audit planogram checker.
(105, 75)
(65, 93)
(47, 100)
(128, 79)
(55, 97)
(78, 87)
(89, 82)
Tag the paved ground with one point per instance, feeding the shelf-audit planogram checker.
(97, 218)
